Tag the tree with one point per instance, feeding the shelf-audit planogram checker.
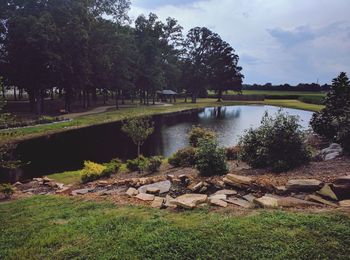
(138, 129)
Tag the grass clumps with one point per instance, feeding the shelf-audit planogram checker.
(142, 164)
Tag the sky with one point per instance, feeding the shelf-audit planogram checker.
(278, 41)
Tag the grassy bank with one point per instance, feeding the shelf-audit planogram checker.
(116, 115)
(60, 228)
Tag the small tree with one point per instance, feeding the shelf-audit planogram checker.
(138, 129)
(198, 133)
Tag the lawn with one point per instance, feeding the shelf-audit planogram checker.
(53, 227)
(116, 115)
(282, 93)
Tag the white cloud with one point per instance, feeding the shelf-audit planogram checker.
(278, 41)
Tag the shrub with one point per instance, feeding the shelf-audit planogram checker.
(139, 164)
(278, 143)
(7, 190)
(232, 153)
(185, 157)
(154, 163)
(112, 167)
(211, 159)
(92, 171)
(198, 133)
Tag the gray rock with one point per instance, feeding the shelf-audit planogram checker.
(249, 197)
(190, 201)
(303, 185)
(81, 191)
(226, 192)
(318, 199)
(153, 190)
(218, 202)
(218, 197)
(163, 186)
(331, 156)
(289, 202)
(240, 202)
(145, 197)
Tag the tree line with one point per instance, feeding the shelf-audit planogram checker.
(85, 48)
(311, 87)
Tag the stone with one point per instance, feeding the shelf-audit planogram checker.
(343, 180)
(59, 186)
(163, 186)
(344, 203)
(341, 187)
(303, 185)
(157, 202)
(195, 186)
(108, 192)
(145, 197)
(240, 202)
(327, 191)
(226, 192)
(153, 190)
(280, 190)
(331, 156)
(267, 202)
(239, 180)
(62, 190)
(183, 177)
(169, 202)
(218, 197)
(249, 197)
(102, 183)
(17, 184)
(81, 191)
(203, 189)
(289, 202)
(131, 192)
(218, 202)
(318, 199)
(190, 201)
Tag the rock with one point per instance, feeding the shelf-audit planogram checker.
(145, 197)
(318, 199)
(108, 192)
(169, 202)
(303, 185)
(331, 156)
(267, 202)
(289, 202)
(62, 190)
(343, 180)
(163, 186)
(218, 202)
(280, 190)
(46, 179)
(102, 183)
(226, 192)
(240, 202)
(341, 187)
(131, 192)
(327, 191)
(59, 186)
(218, 197)
(81, 191)
(190, 201)
(238, 180)
(249, 197)
(332, 152)
(157, 202)
(153, 190)
(203, 189)
(344, 203)
(17, 184)
(195, 186)
(183, 177)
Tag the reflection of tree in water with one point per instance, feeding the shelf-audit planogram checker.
(224, 113)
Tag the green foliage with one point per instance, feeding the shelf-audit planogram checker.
(278, 144)
(112, 167)
(318, 100)
(7, 190)
(211, 159)
(138, 129)
(93, 171)
(154, 163)
(232, 152)
(332, 122)
(6, 157)
(185, 157)
(198, 133)
(142, 164)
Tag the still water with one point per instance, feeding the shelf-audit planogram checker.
(68, 150)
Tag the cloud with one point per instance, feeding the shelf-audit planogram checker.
(285, 41)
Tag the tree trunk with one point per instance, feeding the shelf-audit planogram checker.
(14, 93)
(138, 150)
(3, 91)
(117, 99)
(123, 97)
(220, 96)
(194, 97)
(68, 100)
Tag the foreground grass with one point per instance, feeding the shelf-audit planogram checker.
(61, 228)
(117, 115)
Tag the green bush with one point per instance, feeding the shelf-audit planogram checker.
(92, 171)
(210, 159)
(317, 100)
(154, 163)
(198, 133)
(232, 153)
(278, 144)
(185, 157)
(112, 167)
(7, 190)
(139, 164)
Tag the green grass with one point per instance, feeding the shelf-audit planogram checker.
(68, 177)
(48, 227)
(282, 93)
(117, 115)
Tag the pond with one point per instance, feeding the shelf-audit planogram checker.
(68, 150)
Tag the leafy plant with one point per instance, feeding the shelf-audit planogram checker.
(138, 129)
(185, 157)
(139, 164)
(111, 167)
(154, 163)
(7, 190)
(198, 133)
(92, 171)
(278, 143)
(232, 152)
(210, 158)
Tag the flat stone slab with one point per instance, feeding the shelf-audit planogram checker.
(343, 180)
(226, 192)
(157, 202)
(145, 197)
(318, 199)
(81, 192)
(190, 201)
(218, 197)
(240, 202)
(267, 202)
(344, 203)
(169, 202)
(328, 192)
(249, 197)
(163, 186)
(195, 186)
(153, 190)
(218, 202)
(239, 179)
(131, 192)
(289, 202)
(303, 185)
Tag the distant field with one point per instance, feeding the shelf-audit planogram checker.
(282, 93)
